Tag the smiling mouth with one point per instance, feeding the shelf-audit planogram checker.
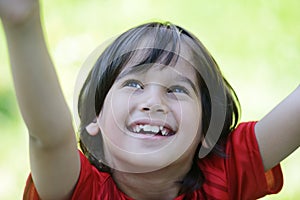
(151, 130)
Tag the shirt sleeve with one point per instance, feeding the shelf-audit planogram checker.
(84, 188)
(246, 176)
(91, 184)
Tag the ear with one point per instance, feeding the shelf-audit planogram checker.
(93, 128)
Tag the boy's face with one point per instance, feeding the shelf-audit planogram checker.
(152, 118)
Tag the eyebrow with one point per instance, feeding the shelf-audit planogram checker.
(136, 70)
(128, 71)
(186, 80)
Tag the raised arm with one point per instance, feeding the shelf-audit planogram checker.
(54, 158)
(278, 133)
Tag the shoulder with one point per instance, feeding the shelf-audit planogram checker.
(240, 141)
(90, 173)
(242, 138)
(239, 174)
(91, 184)
(94, 184)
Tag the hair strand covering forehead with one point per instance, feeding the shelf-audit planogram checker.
(156, 43)
(150, 43)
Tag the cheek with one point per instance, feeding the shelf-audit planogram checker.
(114, 103)
(191, 121)
(107, 114)
(114, 114)
(111, 119)
(188, 113)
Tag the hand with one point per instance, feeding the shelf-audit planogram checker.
(17, 11)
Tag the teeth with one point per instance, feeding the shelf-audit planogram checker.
(137, 129)
(149, 128)
(164, 132)
(154, 129)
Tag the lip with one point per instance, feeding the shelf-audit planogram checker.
(153, 123)
(148, 136)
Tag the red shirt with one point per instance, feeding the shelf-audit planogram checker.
(240, 175)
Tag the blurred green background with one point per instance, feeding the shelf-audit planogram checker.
(255, 42)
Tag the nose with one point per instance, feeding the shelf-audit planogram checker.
(154, 100)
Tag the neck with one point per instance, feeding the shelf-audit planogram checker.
(163, 184)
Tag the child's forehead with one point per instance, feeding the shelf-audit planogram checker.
(181, 45)
(179, 69)
(157, 56)
(181, 55)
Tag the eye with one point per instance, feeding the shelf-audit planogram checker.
(134, 84)
(177, 89)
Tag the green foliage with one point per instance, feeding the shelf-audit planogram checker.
(256, 44)
(8, 106)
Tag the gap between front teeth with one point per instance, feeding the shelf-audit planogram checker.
(149, 128)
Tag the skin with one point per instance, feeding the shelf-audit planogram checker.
(52, 138)
(51, 135)
(163, 97)
(158, 97)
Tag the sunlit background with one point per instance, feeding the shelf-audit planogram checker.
(255, 42)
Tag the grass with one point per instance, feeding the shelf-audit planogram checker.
(256, 44)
